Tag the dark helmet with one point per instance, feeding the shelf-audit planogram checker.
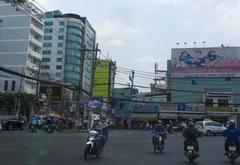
(190, 124)
(232, 124)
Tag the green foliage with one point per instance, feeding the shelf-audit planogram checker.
(8, 102)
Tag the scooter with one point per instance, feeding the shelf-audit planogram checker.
(191, 153)
(157, 140)
(232, 153)
(94, 145)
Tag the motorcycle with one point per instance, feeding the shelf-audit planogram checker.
(33, 128)
(94, 145)
(232, 153)
(191, 153)
(157, 140)
(49, 128)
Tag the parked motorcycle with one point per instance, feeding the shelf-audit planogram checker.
(49, 128)
(95, 144)
(191, 153)
(157, 141)
(232, 153)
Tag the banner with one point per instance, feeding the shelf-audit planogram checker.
(191, 107)
(206, 62)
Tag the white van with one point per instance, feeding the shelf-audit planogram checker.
(209, 127)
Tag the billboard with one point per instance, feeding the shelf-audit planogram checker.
(101, 81)
(206, 62)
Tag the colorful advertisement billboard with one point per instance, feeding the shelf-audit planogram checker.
(206, 62)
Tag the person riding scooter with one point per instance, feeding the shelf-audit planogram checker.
(232, 134)
(190, 133)
(160, 129)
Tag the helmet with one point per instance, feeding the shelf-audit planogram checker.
(232, 124)
(190, 124)
(159, 121)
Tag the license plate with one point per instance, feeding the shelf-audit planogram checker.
(190, 147)
(232, 148)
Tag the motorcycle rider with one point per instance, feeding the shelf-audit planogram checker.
(160, 129)
(232, 134)
(98, 126)
(190, 133)
(34, 123)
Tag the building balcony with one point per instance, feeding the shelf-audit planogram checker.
(32, 66)
(34, 28)
(35, 42)
(35, 54)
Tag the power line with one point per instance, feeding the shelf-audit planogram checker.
(36, 79)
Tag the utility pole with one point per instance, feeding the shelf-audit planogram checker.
(94, 67)
(18, 102)
(80, 84)
(131, 78)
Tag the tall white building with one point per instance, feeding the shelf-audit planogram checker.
(21, 33)
(66, 36)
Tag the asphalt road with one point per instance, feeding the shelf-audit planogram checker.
(125, 147)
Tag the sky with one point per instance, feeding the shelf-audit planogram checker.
(138, 33)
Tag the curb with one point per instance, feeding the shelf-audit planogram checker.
(75, 131)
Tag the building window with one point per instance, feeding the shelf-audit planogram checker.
(60, 44)
(48, 30)
(227, 78)
(194, 82)
(6, 85)
(61, 30)
(60, 37)
(59, 67)
(58, 74)
(13, 85)
(121, 106)
(59, 59)
(48, 23)
(223, 102)
(59, 52)
(209, 102)
(46, 60)
(61, 23)
(46, 45)
(46, 52)
(45, 66)
(47, 37)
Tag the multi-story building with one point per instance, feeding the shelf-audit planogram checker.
(68, 49)
(21, 32)
(204, 82)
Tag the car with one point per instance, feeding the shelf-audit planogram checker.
(10, 124)
(209, 127)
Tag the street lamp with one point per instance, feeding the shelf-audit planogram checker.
(177, 44)
(185, 43)
(204, 43)
(194, 43)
